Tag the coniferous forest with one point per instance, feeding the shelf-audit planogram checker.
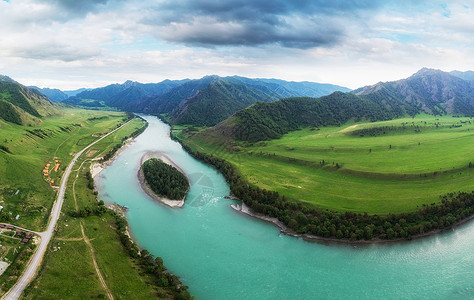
(165, 180)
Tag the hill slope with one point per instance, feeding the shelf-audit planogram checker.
(264, 121)
(21, 105)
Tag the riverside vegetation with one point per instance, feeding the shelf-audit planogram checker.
(165, 180)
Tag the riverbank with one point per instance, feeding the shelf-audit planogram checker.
(146, 188)
(244, 209)
(97, 167)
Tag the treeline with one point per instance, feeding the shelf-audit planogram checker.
(264, 121)
(151, 265)
(97, 210)
(165, 180)
(350, 226)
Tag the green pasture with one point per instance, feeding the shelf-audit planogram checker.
(23, 189)
(392, 172)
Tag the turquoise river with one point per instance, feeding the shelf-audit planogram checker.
(222, 254)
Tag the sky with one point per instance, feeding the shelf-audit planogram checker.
(69, 44)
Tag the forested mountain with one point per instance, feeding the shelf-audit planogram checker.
(21, 105)
(433, 91)
(264, 121)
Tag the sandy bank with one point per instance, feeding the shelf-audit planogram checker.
(146, 188)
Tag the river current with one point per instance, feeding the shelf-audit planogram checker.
(222, 254)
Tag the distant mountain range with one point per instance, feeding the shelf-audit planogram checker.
(430, 91)
(202, 102)
(468, 75)
(56, 94)
(21, 105)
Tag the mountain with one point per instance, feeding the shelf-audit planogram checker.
(75, 92)
(211, 99)
(264, 121)
(429, 91)
(202, 102)
(58, 95)
(52, 94)
(217, 101)
(21, 105)
(286, 89)
(120, 95)
(432, 91)
(468, 75)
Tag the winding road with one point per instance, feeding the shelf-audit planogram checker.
(32, 266)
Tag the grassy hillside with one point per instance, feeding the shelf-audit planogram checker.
(21, 105)
(379, 168)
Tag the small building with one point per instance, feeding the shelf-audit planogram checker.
(10, 227)
(25, 241)
(3, 225)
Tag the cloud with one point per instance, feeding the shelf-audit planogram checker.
(289, 23)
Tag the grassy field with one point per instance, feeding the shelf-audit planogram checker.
(25, 190)
(379, 168)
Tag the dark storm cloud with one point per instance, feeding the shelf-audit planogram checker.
(291, 23)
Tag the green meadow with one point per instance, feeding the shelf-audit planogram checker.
(379, 168)
(25, 190)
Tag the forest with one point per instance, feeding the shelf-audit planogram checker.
(165, 180)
